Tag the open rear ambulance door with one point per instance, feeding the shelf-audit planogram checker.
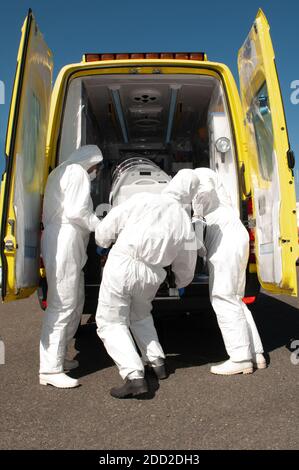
(271, 162)
(23, 181)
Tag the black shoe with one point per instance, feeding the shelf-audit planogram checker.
(159, 368)
(130, 389)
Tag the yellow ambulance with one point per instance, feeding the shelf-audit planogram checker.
(177, 110)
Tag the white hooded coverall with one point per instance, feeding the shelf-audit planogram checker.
(227, 245)
(151, 232)
(68, 219)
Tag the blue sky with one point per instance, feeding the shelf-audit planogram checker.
(218, 27)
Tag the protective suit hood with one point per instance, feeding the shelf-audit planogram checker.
(86, 156)
(183, 187)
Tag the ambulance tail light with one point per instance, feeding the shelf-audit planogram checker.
(43, 286)
(249, 300)
(251, 231)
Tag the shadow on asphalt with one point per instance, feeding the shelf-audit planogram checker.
(93, 357)
(277, 321)
(194, 339)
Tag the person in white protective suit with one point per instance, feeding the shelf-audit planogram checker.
(150, 232)
(227, 251)
(68, 219)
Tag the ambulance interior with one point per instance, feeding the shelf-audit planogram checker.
(170, 121)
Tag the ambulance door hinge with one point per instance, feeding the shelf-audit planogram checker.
(251, 223)
(9, 245)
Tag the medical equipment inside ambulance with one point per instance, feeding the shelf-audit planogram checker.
(135, 175)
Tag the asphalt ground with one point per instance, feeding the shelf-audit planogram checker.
(192, 409)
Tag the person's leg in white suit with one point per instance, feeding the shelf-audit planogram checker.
(256, 346)
(233, 325)
(141, 321)
(227, 267)
(63, 270)
(142, 324)
(76, 317)
(113, 318)
(74, 323)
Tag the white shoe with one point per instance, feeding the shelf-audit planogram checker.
(70, 364)
(230, 368)
(59, 380)
(259, 361)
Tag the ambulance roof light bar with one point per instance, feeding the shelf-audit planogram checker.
(201, 56)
